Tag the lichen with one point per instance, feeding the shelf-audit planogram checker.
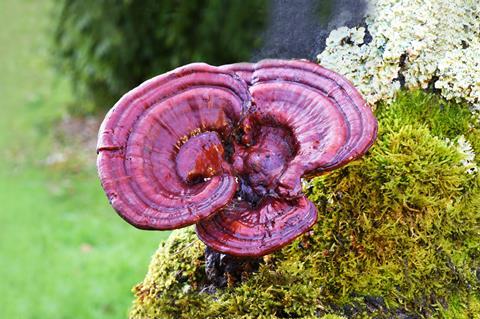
(397, 235)
(413, 43)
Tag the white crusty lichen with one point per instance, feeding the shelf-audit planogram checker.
(416, 42)
(464, 147)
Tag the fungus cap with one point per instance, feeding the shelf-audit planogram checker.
(226, 147)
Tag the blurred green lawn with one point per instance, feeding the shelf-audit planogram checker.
(63, 251)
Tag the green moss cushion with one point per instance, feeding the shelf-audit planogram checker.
(398, 235)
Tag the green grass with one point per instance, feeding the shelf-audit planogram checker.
(63, 251)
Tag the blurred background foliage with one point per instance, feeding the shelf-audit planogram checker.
(108, 47)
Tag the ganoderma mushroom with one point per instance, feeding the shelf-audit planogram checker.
(226, 147)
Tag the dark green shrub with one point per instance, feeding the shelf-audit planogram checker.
(397, 235)
(108, 47)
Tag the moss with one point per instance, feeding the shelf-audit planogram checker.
(397, 235)
(444, 119)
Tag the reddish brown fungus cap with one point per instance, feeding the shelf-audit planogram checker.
(226, 147)
(142, 134)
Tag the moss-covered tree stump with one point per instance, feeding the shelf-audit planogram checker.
(397, 236)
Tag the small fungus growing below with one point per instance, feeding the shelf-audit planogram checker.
(225, 148)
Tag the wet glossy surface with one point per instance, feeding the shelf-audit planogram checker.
(201, 158)
(226, 148)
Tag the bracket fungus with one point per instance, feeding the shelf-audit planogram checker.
(225, 148)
